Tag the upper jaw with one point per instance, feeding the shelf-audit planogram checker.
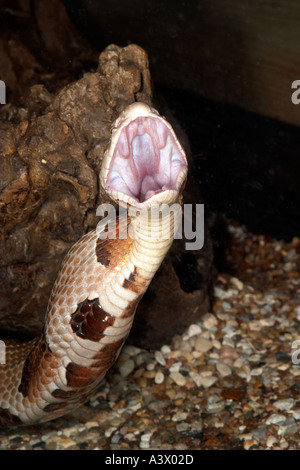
(144, 163)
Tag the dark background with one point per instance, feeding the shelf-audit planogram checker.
(225, 69)
(247, 164)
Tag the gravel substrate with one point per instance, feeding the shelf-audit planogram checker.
(231, 381)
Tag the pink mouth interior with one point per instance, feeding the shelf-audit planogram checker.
(146, 160)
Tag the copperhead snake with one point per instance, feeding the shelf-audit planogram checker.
(101, 280)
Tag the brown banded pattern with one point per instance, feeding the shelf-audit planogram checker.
(89, 321)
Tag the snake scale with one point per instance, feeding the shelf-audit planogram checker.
(94, 298)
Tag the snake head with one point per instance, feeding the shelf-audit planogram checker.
(144, 163)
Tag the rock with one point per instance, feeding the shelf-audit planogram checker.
(126, 367)
(209, 321)
(228, 355)
(182, 427)
(178, 378)
(52, 143)
(159, 378)
(159, 358)
(275, 418)
(237, 283)
(194, 330)
(297, 310)
(296, 415)
(271, 440)
(196, 378)
(165, 349)
(175, 367)
(285, 404)
(131, 350)
(288, 429)
(203, 345)
(208, 381)
(179, 416)
(48, 178)
(223, 369)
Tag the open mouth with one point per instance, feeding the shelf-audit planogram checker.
(147, 160)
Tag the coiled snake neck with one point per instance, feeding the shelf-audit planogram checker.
(102, 279)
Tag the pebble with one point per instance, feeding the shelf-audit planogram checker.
(291, 428)
(160, 358)
(179, 416)
(150, 374)
(289, 266)
(244, 372)
(181, 427)
(221, 293)
(116, 438)
(196, 377)
(207, 382)
(256, 371)
(165, 349)
(178, 378)
(296, 415)
(180, 446)
(260, 433)
(237, 283)
(91, 424)
(228, 354)
(194, 330)
(215, 408)
(209, 321)
(203, 345)
(230, 373)
(226, 305)
(248, 443)
(228, 341)
(216, 344)
(131, 350)
(144, 445)
(143, 357)
(286, 404)
(126, 367)
(276, 419)
(271, 440)
(159, 378)
(223, 369)
(175, 367)
(283, 444)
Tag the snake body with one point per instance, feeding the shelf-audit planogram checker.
(102, 279)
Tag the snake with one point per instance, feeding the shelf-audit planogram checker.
(103, 277)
